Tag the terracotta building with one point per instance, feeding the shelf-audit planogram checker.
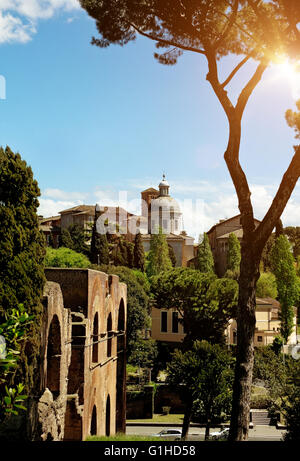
(218, 238)
(51, 227)
(84, 359)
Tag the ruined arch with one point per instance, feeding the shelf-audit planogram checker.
(109, 335)
(93, 429)
(107, 417)
(95, 338)
(54, 357)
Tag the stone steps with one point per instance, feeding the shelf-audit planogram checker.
(260, 418)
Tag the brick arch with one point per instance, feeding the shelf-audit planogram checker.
(54, 353)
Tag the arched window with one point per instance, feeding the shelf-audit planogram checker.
(95, 339)
(94, 421)
(54, 357)
(107, 419)
(109, 335)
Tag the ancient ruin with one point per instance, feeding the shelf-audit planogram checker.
(83, 358)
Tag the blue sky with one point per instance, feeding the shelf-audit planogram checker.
(94, 122)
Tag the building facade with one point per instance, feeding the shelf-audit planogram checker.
(166, 328)
(218, 237)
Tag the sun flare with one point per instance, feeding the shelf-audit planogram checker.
(290, 72)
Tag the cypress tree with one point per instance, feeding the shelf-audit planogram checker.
(233, 254)
(130, 254)
(158, 257)
(22, 251)
(205, 260)
(139, 253)
(66, 239)
(172, 255)
(287, 284)
(99, 245)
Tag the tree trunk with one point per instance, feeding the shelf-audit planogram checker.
(207, 428)
(246, 321)
(187, 419)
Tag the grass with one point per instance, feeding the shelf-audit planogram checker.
(123, 438)
(178, 418)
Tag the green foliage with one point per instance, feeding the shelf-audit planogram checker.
(144, 353)
(293, 234)
(277, 344)
(205, 261)
(172, 256)
(205, 302)
(158, 256)
(22, 250)
(233, 254)
(12, 401)
(197, 26)
(282, 380)
(287, 283)
(292, 416)
(205, 374)
(139, 253)
(293, 119)
(266, 263)
(14, 330)
(137, 303)
(64, 257)
(74, 237)
(99, 246)
(266, 286)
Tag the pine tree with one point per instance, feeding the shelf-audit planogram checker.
(287, 285)
(22, 251)
(158, 257)
(233, 254)
(205, 260)
(139, 253)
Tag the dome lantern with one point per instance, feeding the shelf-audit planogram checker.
(164, 187)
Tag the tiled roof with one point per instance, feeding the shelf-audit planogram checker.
(80, 208)
(226, 220)
(268, 302)
(238, 233)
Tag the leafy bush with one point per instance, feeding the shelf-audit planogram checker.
(14, 331)
(65, 257)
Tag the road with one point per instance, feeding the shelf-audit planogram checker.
(259, 433)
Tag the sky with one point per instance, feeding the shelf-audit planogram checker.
(101, 125)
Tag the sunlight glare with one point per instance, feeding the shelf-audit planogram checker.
(290, 72)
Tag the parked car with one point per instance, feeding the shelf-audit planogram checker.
(221, 435)
(174, 434)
